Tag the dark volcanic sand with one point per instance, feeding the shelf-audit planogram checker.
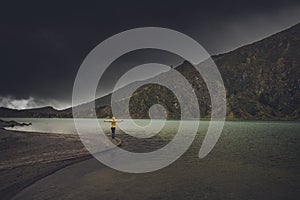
(27, 157)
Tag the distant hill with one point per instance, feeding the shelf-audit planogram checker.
(262, 81)
(43, 112)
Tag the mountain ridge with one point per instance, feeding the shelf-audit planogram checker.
(261, 80)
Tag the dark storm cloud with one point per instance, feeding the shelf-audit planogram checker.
(43, 44)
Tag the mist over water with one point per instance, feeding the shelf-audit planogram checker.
(261, 129)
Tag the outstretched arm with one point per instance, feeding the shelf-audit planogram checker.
(107, 120)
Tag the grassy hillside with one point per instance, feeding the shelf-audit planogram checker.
(262, 81)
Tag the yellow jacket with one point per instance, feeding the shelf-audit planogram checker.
(113, 122)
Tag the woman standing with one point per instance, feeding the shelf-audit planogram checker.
(113, 126)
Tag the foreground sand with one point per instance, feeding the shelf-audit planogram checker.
(27, 157)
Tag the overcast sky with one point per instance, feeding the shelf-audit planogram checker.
(44, 44)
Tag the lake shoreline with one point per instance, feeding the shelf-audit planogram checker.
(201, 119)
(19, 171)
(27, 157)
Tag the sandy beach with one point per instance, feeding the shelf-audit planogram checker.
(27, 157)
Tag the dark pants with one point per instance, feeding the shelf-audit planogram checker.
(113, 130)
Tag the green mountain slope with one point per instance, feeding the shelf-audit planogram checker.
(262, 81)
